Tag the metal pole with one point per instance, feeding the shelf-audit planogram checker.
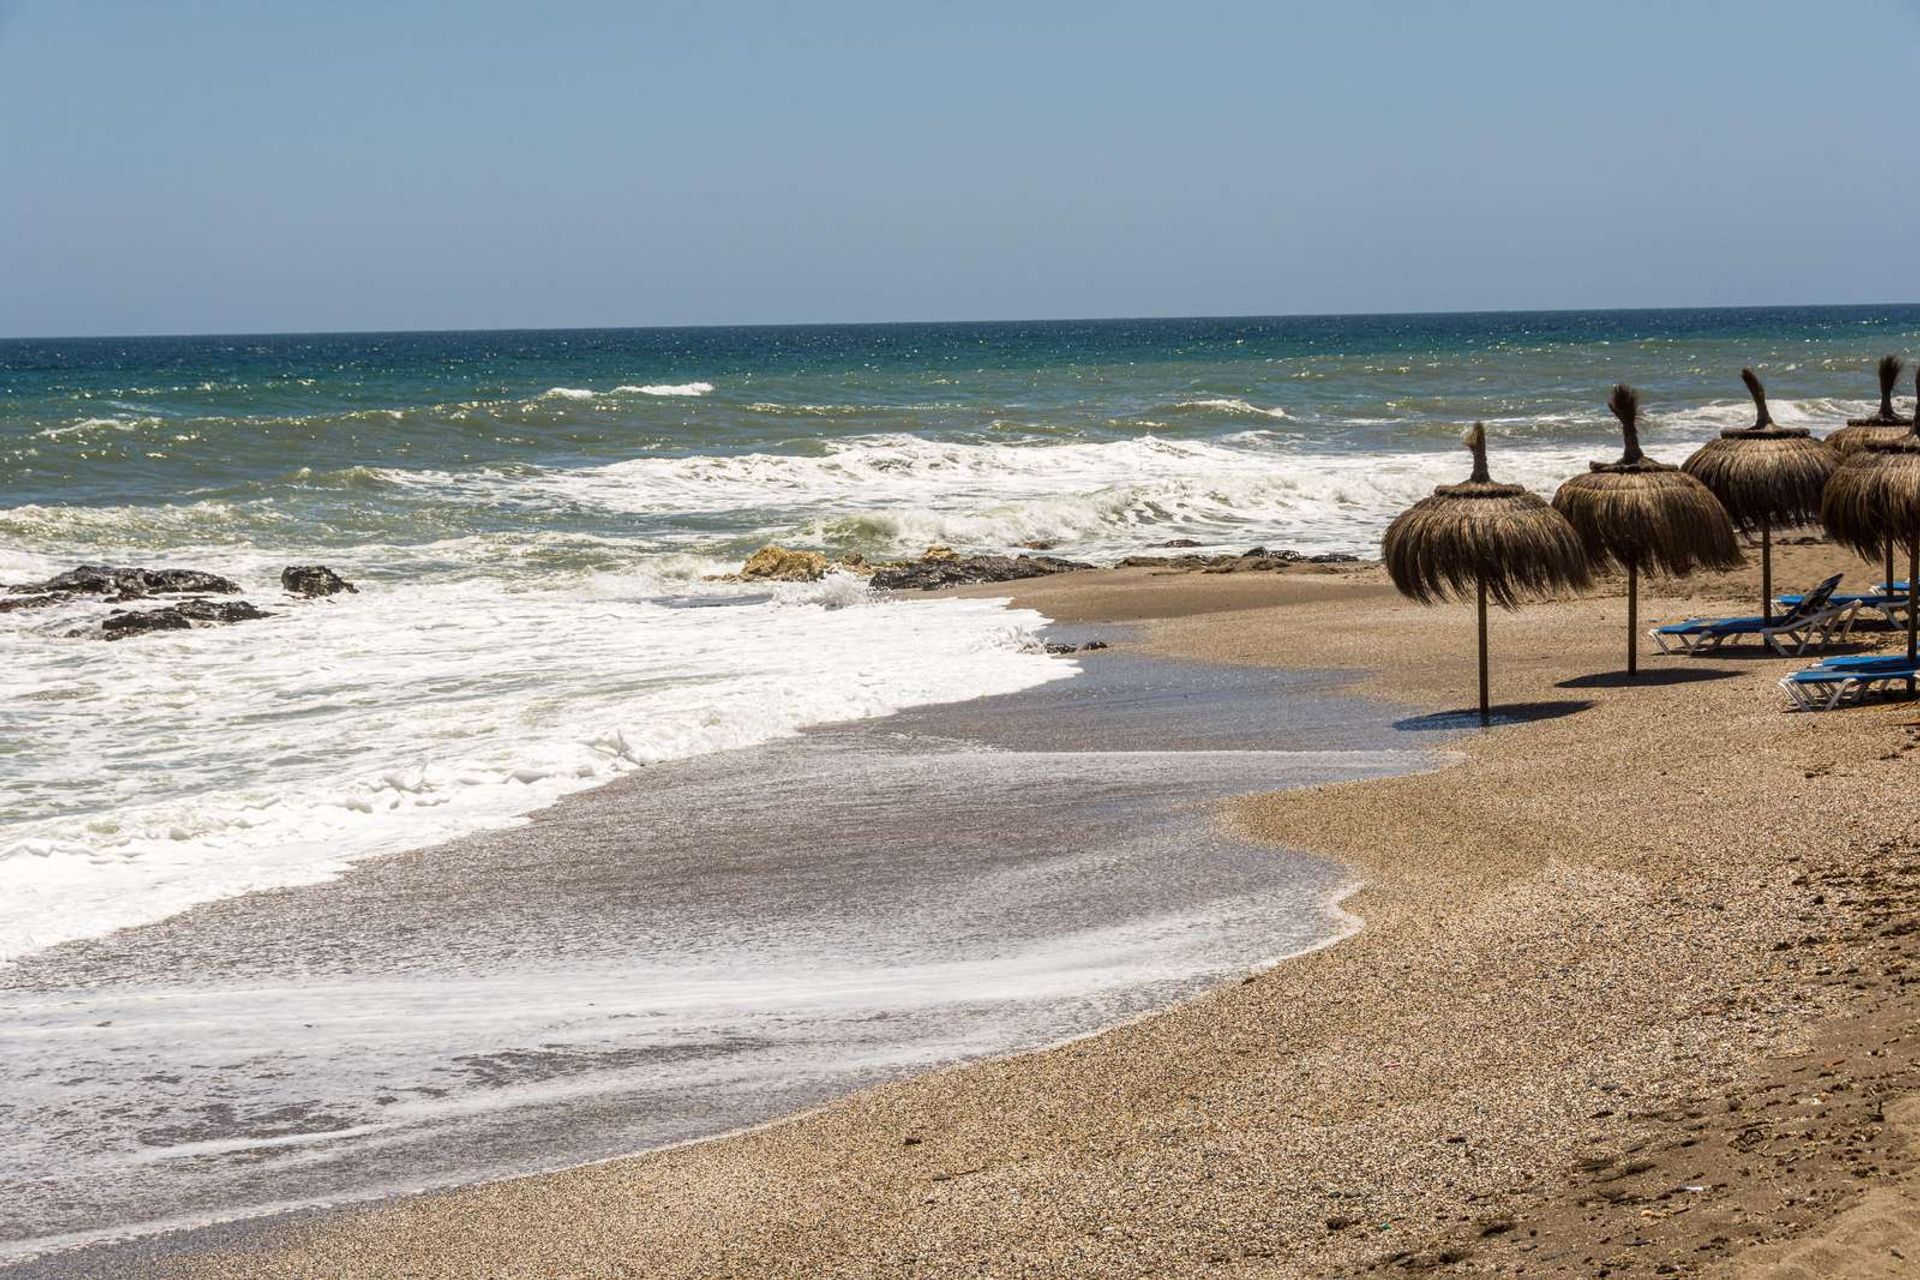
(1633, 617)
(1486, 715)
(1913, 599)
(1766, 570)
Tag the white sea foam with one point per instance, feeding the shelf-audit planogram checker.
(1234, 404)
(663, 389)
(667, 389)
(899, 493)
(175, 768)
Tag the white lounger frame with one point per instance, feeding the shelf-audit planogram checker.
(1824, 628)
(1825, 696)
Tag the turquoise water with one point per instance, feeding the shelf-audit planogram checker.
(528, 515)
(324, 441)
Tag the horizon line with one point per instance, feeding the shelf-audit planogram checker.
(1089, 319)
(887, 324)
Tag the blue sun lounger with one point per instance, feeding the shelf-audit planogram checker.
(1891, 605)
(1818, 616)
(1850, 679)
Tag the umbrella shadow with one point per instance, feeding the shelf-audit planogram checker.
(1650, 679)
(1504, 713)
(1762, 653)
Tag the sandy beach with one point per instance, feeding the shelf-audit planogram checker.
(1631, 998)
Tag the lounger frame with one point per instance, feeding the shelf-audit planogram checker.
(1790, 636)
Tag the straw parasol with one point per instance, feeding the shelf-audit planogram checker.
(1883, 427)
(1486, 540)
(1765, 475)
(1859, 431)
(1873, 501)
(1637, 513)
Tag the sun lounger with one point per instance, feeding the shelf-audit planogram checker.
(1888, 604)
(1817, 618)
(1843, 680)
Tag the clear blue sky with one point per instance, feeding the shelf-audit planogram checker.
(236, 167)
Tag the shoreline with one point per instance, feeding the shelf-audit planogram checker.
(1570, 997)
(1401, 1099)
(1075, 755)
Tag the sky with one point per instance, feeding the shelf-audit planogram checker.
(241, 167)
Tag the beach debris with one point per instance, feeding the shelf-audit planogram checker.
(183, 616)
(1765, 475)
(127, 583)
(1637, 514)
(773, 563)
(1486, 540)
(932, 572)
(1091, 646)
(313, 580)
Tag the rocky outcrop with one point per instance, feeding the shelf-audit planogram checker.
(1090, 646)
(778, 564)
(948, 570)
(313, 580)
(128, 583)
(178, 617)
(1257, 560)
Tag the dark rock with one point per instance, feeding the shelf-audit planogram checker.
(136, 622)
(1143, 562)
(1180, 542)
(10, 604)
(313, 580)
(932, 572)
(178, 617)
(1089, 647)
(1333, 557)
(129, 583)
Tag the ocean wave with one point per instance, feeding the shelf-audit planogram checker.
(566, 393)
(1233, 404)
(409, 714)
(895, 493)
(667, 389)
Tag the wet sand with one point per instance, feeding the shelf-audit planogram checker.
(1632, 998)
(706, 945)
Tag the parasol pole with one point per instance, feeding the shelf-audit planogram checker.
(1633, 616)
(1486, 716)
(1766, 569)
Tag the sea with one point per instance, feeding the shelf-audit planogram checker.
(535, 521)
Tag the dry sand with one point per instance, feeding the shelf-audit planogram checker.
(1633, 997)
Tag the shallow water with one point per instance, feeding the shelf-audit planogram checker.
(709, 943)
(527, 514)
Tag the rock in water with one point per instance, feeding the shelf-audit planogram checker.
(178, 617)
(314, 580)
(932, 572)
(128, 582)
(777, 564)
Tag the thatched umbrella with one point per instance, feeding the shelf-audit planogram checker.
(1765, 475)
(1637, 513)
(1486, 540)
(1884, 427)
(1859, 431)
(1874, 501)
